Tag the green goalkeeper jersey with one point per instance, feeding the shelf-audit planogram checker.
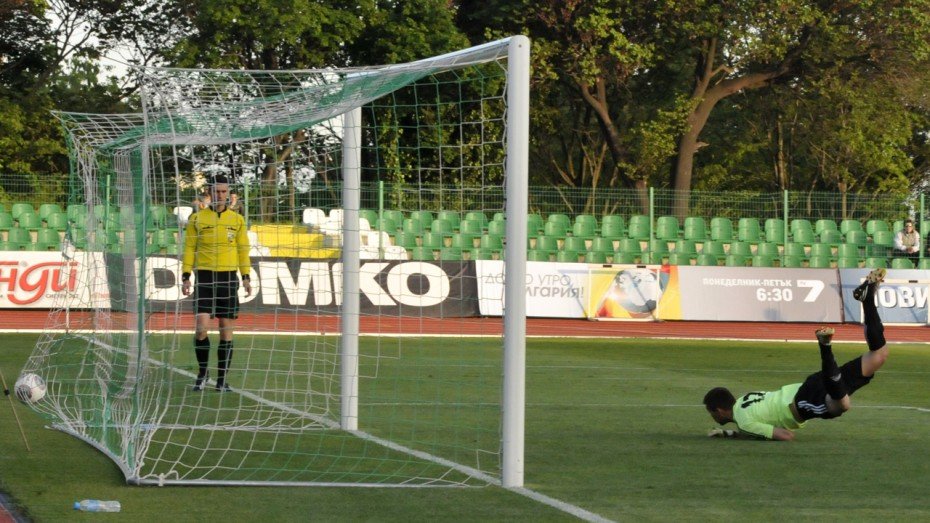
(758, 413)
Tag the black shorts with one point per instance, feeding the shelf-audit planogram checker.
(811, 398)
(217, 293)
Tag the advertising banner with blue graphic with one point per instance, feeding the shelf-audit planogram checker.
(901, 299)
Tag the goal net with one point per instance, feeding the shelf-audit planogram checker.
(370, 196)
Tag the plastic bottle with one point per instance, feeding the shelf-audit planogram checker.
(96, 505)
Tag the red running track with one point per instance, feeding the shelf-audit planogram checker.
(38, 319)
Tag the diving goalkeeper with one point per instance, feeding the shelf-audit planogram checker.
(825, 394)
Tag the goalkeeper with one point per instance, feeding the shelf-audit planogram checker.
(215, 246)
(825, 394)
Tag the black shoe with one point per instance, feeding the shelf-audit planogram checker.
(874, 278)
(222, 387)
(198, 385)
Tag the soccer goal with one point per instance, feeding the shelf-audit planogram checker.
(359, 359)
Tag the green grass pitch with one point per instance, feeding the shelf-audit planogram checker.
(614, 427)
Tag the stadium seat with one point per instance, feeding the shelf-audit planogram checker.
(481, 254)
(741, 248)
(534, 224)
(625, 258)
(405, 239)
(639, 227)
(49, 208)
(791, 261)
(498, 217)
(450, 254)
(831, 236)
(749, 230)
(614, 220)
(158, 215)
(721, 229)
(584, 229)
(537, 255)
(442, 226)
(686, 248)
(6, 221)
(632, 246)
(562, 219)
(714, 247)
(847, 262)
(165, 238)
(337, 216)
(595, 257)
(555, 229)
(57, 221)
(547, 243)
(847, 250)
(769, 249)
(924, 263)
(386, 224)
(874, 262)
(675, 258)
(761, 260)
(497, 227)
(30, 221)
(824, 224)
(775, 230)
(705, 259)
(491, 241)
(18, 235)
(369, 214)
(735, 260)
(473, 227)
(421, 253)
(47, 240)
(394, 215)
(586, 218)
(575, 244)
(897, 226)
(873, 226)
(820, 262)
(901, 263)
(425, 217)
(850, 225)
(313, 217)
(658, 247)
(477, 216)
(613, 230)
(795, 249)
(667, 228)
(433, 240)
(857, 237)
(452, 217)
(821, 249)
(414, 226)
(20, 208)
(804, 236)
(694, 229)
(599, 244)
(567, 256)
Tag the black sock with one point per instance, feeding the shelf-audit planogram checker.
(830, 373)
(202, 351)
(224, 354)
(874, 330)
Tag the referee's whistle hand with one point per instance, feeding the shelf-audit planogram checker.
(247, 285)
(186, 288)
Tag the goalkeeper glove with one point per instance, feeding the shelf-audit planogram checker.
(721, 433)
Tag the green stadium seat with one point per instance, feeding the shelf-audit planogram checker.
(469, 226)
(450, 254)
(561, 219)
(158, 215)
(761, 260)
(804, 236)
(395, 216)
(595, 257)
(706, 259)
(795, 249)
(498, 217)
(675, 258)
(165, 238)
(820, 262)
(714, 247)
(775, 230)
(20, 208)
(414, 226)
(822, 249)
(497, 227)
(547, 243)
(555, 229)
(479, 254)
(434, 240)
(567, 256)
(721, 229)
(452, 217)
(831, 236)
(769, 249)
(847, 262)
(924, 264)
(30, 221)
(741, 248)
(901, 263)
(626, 258)
(18, 235)
(405, 239)
(857, 237)
(387, 225)
(631, 245)
(658, 246)
(491, 241)
(824, 224)
(792, 261)
(613, 230)
(874, 262)
(615, 220)
(799, 224)
(76, 212)
(57, 221)
(695, 229)
(850, 225)
(537, 255)
(49, 208)
(575, 244)
(584, 229)
(477, 216)
(369, 214)
(442, 226)
(686, 248)
(639, 227)
(421, 253)
(464, 240)
(749, 230)
(847, 250)
(78, 237)
(6, 221)
(586, 218)
(534, 224)
(599, 244)
(425, 217)
(873, 226)
(897, 226)
(736, 260)
(667, 228)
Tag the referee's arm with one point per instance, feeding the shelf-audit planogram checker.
(190, 252)
(245, 265)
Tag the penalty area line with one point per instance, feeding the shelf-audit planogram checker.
(568, 508)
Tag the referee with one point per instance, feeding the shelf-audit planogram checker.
(215, 247)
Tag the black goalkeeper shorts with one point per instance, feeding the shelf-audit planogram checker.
(811, 398)
(217, 293)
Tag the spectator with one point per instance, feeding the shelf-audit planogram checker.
(907, 242)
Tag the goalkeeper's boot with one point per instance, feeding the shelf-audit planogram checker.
(222, 386)
(198, 385)
(874, 278)
(825, 335)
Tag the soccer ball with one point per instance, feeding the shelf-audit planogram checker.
(30, 388)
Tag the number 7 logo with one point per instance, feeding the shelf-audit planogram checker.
(816, 287)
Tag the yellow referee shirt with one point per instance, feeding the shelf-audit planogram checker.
(216, 242)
